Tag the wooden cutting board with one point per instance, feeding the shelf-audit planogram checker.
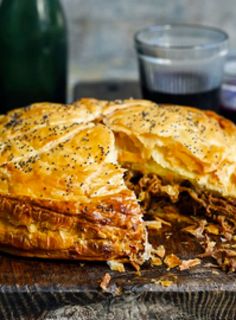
(39, 289)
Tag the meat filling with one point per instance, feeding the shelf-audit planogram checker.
(215, 216)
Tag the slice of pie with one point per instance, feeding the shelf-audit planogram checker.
(62, 192)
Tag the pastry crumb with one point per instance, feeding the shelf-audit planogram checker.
(116, 266)
(172, 261)
(164, 282)
(187, 264)
(215, 272)
(105, 281)
(155, 261)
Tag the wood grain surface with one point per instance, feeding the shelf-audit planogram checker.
(36, 289)
(40, 289)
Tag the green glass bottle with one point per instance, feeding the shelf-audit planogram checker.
(33, 52)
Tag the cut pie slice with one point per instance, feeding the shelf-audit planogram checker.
(62, 192)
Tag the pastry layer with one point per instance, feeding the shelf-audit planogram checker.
(62, 192)
(107, 229)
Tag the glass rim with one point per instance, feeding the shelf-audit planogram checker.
(167, 27)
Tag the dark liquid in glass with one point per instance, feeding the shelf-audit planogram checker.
(228, 100)
(228, 113)
(164, 85)
(204, 100)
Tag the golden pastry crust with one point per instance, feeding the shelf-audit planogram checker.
(95, 231)
(62, 192)
(62, 188)
(178, 143)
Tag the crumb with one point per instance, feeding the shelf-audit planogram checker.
(105, 281)
(155, 261)
(118, 291)
(172, 261)
(211, 265)
(116, 266)
(215, 272)
(187, 264)
(164, 282)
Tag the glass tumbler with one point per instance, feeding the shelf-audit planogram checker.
(228, 88)
(182, 64)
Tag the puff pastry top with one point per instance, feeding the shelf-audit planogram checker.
(179, 143)
(176, 142)
(55, 152)
(48, 140)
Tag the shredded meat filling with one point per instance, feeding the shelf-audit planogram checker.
(218, 239)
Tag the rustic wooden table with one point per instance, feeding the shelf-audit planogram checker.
(36, 289)
(39, 289)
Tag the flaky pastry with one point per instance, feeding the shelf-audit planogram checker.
(75, 179)
(62, 192)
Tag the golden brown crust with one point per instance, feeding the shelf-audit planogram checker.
(62, 192)
(176, 142)
(106, 230)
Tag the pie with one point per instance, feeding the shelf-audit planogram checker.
(77, 181)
